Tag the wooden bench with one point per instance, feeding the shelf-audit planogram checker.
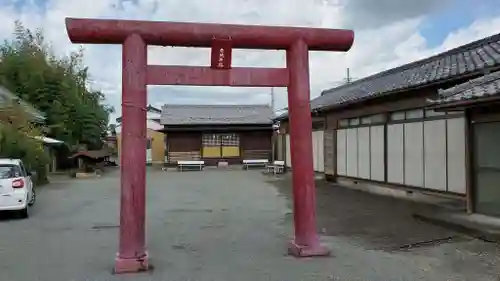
(190, 163)
(277, 167)
(254, 163)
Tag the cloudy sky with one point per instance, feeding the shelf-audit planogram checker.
(388, 33)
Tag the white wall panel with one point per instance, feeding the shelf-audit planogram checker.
(288, 156)
(314, 150)
(149, 156)
(435, 154)
(364, 152)
(456, 155)
(414, 154)
(321, 152)
(329, 155)
(377, 154)
(341, 152)
(317, 149)
(395, 153)
(352, 152)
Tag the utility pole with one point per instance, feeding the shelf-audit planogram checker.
(348, 77)
(346, 80)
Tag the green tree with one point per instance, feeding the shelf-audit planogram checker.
(18, 140)
(112, 129)
(57, 86)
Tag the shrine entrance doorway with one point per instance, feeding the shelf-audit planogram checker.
(135, 36)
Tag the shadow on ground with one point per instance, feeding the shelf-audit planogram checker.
(372, 221)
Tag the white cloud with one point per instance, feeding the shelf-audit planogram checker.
(374, 49)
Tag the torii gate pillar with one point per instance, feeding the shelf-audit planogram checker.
(135, 36)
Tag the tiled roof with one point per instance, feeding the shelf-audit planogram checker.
(216, 114)
(482, 87)
(281, 116)
(457, 62)
(7, 97)
(95, 154)
(471, 58)
(150, 108)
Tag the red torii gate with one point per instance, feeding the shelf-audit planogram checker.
(222, 38)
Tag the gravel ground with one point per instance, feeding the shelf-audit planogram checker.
(232, 225)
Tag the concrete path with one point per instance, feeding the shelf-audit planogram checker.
(232, 225)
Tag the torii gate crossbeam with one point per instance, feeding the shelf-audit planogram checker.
(135, 36)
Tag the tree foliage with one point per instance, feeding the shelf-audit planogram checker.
(18, 140)
(56, 86)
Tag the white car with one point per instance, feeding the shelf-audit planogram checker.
(16, 187)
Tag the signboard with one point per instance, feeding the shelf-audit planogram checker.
(221, 53)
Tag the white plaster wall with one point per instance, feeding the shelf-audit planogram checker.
(314, 151)
(456, 154)
(364, 152)
(352, 152)
(377, 153)
(288, 156)
(435, 154)
(341, 152)
(318, 156)
(414, 154)
(395, 153)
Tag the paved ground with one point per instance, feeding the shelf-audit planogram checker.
(232, 225)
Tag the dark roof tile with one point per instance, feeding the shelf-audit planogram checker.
(6, 97)
(95, 154)
(470, 58)
(481, 87)
(215, 114)
(150, 108)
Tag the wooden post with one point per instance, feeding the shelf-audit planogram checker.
(306, 240)
(132, 255)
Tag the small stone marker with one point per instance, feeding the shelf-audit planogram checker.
(222, 164)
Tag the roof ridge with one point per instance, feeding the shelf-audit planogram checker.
(401, 68)
(479, 81)
(482, 87)
(216, 105)
(216, 114)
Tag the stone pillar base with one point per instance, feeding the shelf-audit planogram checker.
(307, 251)
(131, 265)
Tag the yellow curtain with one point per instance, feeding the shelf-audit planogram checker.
(230, 151)
(211, 152)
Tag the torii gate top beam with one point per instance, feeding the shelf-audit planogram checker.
(184, 34)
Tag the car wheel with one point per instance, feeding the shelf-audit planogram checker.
(24, 213)
(33, 197)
